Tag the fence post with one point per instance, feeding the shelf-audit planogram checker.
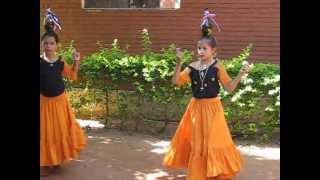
(107, 119)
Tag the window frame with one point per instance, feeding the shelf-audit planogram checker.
(125, 9)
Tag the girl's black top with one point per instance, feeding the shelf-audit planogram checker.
(51, 80)
(211, 85)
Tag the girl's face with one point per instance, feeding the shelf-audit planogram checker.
(205, 51)
(49, 44)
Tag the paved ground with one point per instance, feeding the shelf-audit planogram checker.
(114, 155)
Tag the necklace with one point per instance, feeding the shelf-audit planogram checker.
(202, 74)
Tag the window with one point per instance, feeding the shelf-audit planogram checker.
(131, 4)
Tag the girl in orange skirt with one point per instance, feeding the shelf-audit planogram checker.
(61, 137)
(203, 143)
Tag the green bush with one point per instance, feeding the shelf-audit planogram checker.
(253, 109)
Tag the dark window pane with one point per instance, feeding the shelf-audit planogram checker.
(132, 4)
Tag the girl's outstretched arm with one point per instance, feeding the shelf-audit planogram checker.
(179, 78)
(231, 84)
(72, 71)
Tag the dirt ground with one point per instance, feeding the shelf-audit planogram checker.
(114, 155)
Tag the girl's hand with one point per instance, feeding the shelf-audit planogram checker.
(246, 67)
(75, 55)
(179, 55)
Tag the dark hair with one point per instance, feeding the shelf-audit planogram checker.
(209, 40)
(49, 32)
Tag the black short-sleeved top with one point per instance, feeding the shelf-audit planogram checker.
(210, 84)
(51, 79)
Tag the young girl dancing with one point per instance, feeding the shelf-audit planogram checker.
(203, 143)
(61, 137)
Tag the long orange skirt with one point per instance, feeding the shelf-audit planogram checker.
(203, 143)
(61, 137)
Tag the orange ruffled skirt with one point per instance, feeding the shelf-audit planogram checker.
(61, 137)
(203, 143)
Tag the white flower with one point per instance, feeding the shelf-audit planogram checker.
(274, 91)
(145, 30)
(230, 66)
(266, 81)
(235, 97)
(241, 104)
(248, 88)
(245, 63)
(244, 76)
(274, 79)
(247, 81)
(269, 109)
(271, 92)
(241, 91)
(251, 105)
(224, 93)
(277, 103)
